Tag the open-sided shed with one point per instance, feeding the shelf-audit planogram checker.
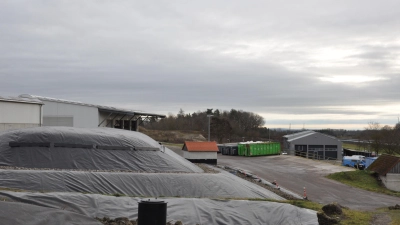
(61, 112)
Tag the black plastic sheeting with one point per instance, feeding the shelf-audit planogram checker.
(187, 210)
(216, 185)
(69, 148)
(27, 214)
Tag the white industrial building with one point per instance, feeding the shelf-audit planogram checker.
(59, 112)
(16, 113)
(31, 110)
(311, 144)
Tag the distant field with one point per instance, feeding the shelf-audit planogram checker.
(353, 146)
(361, 148)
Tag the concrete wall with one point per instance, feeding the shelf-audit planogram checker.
(82, 116)
(16, 115)
(199, 155)
(391, 181)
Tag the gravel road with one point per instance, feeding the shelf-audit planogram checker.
(295, 173)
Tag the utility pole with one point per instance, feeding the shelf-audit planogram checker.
(269, 135)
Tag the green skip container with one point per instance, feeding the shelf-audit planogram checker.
(259, 148)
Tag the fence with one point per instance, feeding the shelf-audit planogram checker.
(316, 157)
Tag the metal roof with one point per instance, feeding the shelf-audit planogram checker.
(299, 135)
(100, 107)
(21, 100)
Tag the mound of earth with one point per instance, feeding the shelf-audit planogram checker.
(175, 136)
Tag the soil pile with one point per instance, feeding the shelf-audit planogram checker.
(331, 214)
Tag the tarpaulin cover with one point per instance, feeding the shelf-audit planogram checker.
(187, 210)
(27, 214)
(158, 173)
(214, 185)
(109, 149)
(183, 184)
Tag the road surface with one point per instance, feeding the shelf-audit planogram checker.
(294, 173)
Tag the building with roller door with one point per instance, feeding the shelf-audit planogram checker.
(60, 112)
(311, 144)
(16, 113)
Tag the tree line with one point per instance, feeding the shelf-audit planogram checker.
(225, 126)
(380, 139)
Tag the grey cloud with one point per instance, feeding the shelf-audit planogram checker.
(160, 56)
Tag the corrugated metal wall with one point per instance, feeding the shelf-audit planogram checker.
(314, 142)
(16, 115)
(65, 121)
(63, 114)
(395, 169)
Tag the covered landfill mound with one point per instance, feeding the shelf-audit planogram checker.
(187, 210)
(88, 149)
(59, 162)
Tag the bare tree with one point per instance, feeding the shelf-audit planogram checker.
(374, 137)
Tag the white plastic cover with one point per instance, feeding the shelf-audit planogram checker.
(187, 210)
(220, 185)
(28, 214)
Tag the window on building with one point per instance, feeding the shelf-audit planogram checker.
(315, 147)
(330, 147)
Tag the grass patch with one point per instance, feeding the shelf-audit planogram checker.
(350, 217)
(395, 215)
(362, 179)
(354, 217)
(353, 146)
(305, 204)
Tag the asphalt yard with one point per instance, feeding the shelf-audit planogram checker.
(295, 173)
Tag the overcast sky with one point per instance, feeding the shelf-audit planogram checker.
(324, 64)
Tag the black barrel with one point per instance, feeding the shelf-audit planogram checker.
(152, 212)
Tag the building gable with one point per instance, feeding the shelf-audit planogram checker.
(385, 164)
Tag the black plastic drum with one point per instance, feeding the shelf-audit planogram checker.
(152, 212)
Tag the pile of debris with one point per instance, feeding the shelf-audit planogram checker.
(331, 214)
(117, 221)
(126, 221)
(396, 207)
